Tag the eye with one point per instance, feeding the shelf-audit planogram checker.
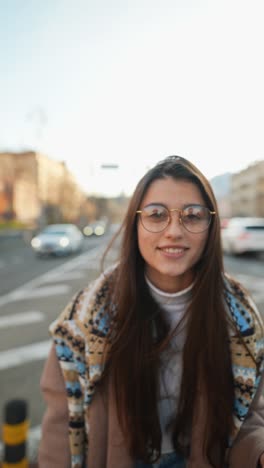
(155, 213)
(193, 214)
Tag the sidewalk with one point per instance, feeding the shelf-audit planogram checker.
(10, 233)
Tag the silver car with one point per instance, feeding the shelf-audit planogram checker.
(58, 239)
(242, 235)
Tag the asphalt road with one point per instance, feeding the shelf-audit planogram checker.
(19, 264)
(32, 293)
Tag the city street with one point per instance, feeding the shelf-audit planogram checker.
(32, 293)
(103, 104)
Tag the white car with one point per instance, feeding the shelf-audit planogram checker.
(243, 235)
(96, 228)
(58, 239)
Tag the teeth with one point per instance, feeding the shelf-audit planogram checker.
(173, 250)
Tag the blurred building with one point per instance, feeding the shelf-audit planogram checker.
(247, 191)
(35, 189)
(221, 185)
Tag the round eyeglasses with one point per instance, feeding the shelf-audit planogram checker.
(194, 218)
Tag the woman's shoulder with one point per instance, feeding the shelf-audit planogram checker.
(234, 286)
(241, 303)
(238, 291)
(89, 306)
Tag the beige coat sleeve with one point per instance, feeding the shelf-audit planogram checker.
(249, 443)
(54, 450)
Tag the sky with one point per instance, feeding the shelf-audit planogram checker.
(129, 82)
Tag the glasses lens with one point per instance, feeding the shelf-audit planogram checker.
(155, 218)
(196, 218)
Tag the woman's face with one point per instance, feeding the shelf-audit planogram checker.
(170, 255)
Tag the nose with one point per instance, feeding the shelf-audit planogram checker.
(175, 227)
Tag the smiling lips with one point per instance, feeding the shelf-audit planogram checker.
(173, 250)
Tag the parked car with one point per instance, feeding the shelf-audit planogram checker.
(242, 235)
(58, 239)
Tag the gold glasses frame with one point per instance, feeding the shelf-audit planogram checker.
(180, 211)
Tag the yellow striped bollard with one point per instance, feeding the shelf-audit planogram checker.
(15, 432)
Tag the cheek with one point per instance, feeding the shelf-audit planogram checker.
(145, 240)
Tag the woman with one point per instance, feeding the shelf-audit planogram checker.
(161, 356)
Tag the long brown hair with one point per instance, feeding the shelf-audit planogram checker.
(141, 333)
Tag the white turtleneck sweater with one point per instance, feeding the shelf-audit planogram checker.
(174, 306)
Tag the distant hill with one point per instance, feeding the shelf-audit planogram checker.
(221, 184)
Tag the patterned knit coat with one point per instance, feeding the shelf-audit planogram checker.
(80, 335)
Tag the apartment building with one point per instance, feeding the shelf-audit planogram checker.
(247, 191)
(36, 189)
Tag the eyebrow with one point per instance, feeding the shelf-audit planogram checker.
(186, 205)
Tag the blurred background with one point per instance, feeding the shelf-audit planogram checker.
(92, 94)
